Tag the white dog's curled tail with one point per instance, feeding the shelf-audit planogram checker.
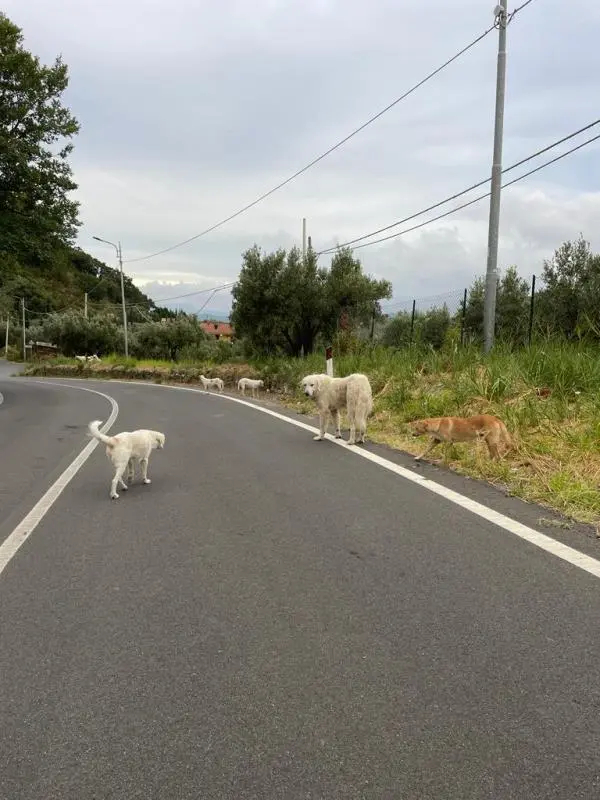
(97, 434)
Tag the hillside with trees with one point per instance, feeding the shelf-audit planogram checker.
(40, 262)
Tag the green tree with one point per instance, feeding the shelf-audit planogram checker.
(474, 311)
(73, 334)
(167, 339)
(36, 212)
(283, 302)
(569, 303)
(512, 307)
(433, 327)
(257, 309)
(397, 331)
(351, 296)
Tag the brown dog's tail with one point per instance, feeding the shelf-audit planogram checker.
(93, 428)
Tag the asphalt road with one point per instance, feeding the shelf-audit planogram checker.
(275, 618)
(41, 427)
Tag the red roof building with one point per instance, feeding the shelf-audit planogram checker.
(220, 330)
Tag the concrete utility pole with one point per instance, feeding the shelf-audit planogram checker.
(491, 277)
(6, 341)
(120, 257)
(85, 305)
(304, 237)
(24, 337)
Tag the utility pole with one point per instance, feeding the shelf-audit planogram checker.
(491, 276)
(6, 340)
(24, 337)
(85, 314)
(120, 258)
(304, 238)
(123, 302)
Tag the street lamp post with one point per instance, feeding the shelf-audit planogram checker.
(120, 257)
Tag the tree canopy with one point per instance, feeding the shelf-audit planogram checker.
(36, 212)
(283, 302)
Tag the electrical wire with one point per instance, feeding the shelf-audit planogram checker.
(480, 197)
(319, 158)
(459, 194)
(192, 294)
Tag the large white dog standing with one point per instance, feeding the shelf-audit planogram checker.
(331, 395)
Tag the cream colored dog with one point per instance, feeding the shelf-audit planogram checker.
(250, 383)
(211, 383)
(125, 450)
(331, 395)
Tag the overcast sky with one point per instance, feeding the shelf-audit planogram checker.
(190, 109)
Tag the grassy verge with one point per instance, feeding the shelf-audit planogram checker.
(549, 397)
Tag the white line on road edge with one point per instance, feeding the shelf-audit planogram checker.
(563, 551)
(1, 398)
(30, 522)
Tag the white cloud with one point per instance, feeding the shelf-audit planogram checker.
(191, 110)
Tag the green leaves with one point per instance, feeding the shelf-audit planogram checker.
(36, 212)
(283, 302)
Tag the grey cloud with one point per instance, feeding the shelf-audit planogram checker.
(190, 110)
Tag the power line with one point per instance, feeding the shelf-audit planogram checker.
(459, 194)
(480, 197)
(433, 298)
(192, 294)
(322, 156)
(519, 8)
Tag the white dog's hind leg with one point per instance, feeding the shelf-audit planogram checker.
(352, 437)
(118, 478)
(362, 429)
(144, 467)
(338, 428)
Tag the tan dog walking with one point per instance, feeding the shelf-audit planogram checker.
(463, 429)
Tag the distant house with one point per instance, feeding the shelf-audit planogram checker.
(220, 330)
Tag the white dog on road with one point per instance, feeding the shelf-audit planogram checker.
(125, 450)
(334, 394)
(211, 383)
(250, 383)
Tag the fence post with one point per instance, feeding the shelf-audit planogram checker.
(531, 309)
(462, 319)
(412, 322)
(329, 361)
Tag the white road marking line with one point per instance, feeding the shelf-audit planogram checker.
(562, 551)
(30, 522)
(1, 398)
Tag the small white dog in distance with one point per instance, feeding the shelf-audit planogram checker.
(211, 383)
(250, 383)
(93, 357)
(125, 450)
(334, 394)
